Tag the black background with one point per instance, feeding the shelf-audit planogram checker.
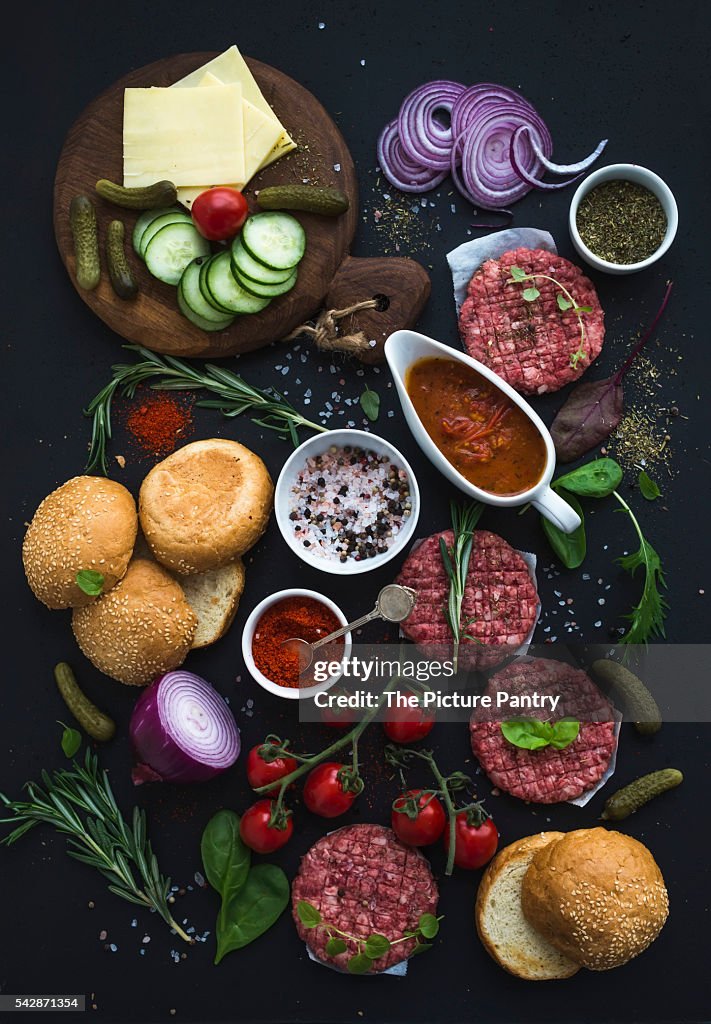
(634, 72)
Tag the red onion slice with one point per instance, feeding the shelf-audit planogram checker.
(468, 104)
(425, 139)
(399, 169)
(520, 147)
(181, 730)
(581, 165)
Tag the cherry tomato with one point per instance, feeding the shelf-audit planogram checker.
(219, 213)
(429, 824)
(261, 772)
(258, 834)
(338, 718)
(408, 724)
(474, 845)
(324, 793)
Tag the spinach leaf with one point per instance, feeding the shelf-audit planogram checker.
(224, 856)
(253, 910)
(569, 547)
(596, 479)
(650, 490)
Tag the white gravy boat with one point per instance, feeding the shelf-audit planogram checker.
(402, 349)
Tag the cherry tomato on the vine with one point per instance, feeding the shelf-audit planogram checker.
(258, 834)
(408, 724)
(324, 791)
(261, 772)
(474, 845)
(219, 213)
(429, 824)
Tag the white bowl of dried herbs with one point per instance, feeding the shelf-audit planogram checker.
(622, 218)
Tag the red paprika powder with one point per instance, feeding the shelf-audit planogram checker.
(158, 421)
(302, 617)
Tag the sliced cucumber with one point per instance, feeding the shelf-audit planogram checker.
(172, 248)
(275, 239)
(189, 288)
(146, 218)
(245, 265)
(158, 223)
(224, 290)
(267, 291)
(205, 325)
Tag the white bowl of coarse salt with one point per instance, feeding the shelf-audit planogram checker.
(346, 502)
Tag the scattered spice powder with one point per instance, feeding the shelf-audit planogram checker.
(303, 618)
(621, 222)
(159, 420)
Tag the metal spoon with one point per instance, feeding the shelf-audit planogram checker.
(394, 604)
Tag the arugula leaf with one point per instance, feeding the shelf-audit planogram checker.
(570, 548)
(370, 404)
(90, 581)
(71, 740)
(648, 615)
(650, 490)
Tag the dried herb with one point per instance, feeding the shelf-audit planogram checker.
(621, 222)
(594, 409)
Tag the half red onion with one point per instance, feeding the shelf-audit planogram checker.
(181, 730)
(521, 147)
(425, 138)
(399, 169)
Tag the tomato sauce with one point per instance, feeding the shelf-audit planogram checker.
(479, 429)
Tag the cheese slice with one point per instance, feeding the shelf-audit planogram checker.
(261, 133)
(187, 136)
(229, 67)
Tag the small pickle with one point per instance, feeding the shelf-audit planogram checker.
(155, 196)
(630, 798)
(94, 722)
(639, 702)
(122, 279)
(329, 202)
(82, 220)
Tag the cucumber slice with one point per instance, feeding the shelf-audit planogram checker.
(275, 239)
(179, 217)
(205, 325)
(143, 221)
(225, 291)
(267, 291)
(189, 288)
(172, 248)
(245, 265)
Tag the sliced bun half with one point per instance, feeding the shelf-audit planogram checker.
(205, 505)
(140, 629)
(87, 523)
(214, 597)
(597, 895)
(504, 931)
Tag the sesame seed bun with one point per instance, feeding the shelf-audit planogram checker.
(140, 629)
(205, 505)
(87, 523)
(598, 896)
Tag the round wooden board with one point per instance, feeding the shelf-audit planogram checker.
(94, 149)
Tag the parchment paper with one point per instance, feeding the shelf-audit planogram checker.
(468, 257)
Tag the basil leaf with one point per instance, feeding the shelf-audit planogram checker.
(590, 414)
(647, 486)
(90, 581)
(565, 730)
(428, 925)
(376, 946)
(308, 914)
(370, 404)
(526, 733)
(596, 479)
(335, 946)
(569, 547)
(71, 740)
(225, 857)
(359, 964)
(255, 908)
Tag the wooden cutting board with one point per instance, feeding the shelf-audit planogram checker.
(94, 149)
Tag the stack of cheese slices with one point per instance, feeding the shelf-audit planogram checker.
(213, 127)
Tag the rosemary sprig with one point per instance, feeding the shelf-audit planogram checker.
(235, 396)
(564, 299)
(456, 565)
(79, 803)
